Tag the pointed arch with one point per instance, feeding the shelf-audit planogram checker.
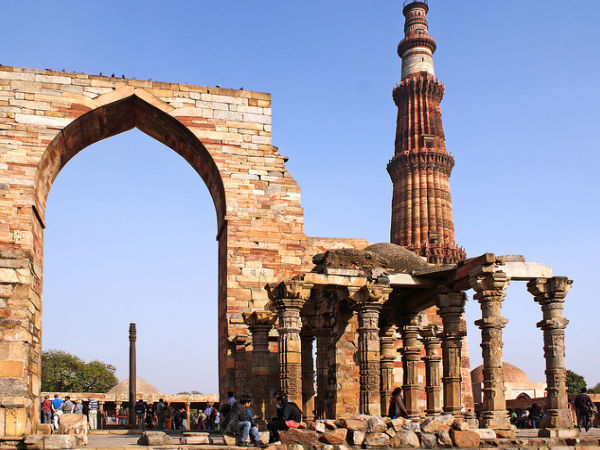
(114, 118)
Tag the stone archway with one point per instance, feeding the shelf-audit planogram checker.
(224, 134)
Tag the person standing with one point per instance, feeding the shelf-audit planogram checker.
(93, 413)
(583, 408)
(535, 412)
(396, 408)
(210, 413)
(68, 406)
(140, 412)
(161, 408)
(57, 409)
(46, 411)
(184, 418)
(78, 407)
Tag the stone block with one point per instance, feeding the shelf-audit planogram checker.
(405, 439)
(229, 440)
(375, 424)
(154, 438)
(196, 440)
(412, 426)
(428, 440)
(434, 424)
(50, 442)
(264, 436)
(318, 426)
(562, 433)
(444, 439)
(398, 423)
(460, 425)
(298, 436)
(43, 428)
(376, 440)
(334, 437)
(217, 439)
(485, 433)
(352, 424)
(356, 438)
(330, 424)
(465, 439)
(504, 434)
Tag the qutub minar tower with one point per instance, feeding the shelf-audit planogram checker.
(421, 166)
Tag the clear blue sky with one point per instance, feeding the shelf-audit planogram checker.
(131, 227)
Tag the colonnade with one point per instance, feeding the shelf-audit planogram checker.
(439, 348)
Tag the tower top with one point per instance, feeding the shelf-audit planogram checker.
(417, 47)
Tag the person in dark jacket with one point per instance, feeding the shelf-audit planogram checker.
(288, 416)
(583, 408)
(535, 412)
(242, 419)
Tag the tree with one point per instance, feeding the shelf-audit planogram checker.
(63, 372)
(575, 382)
(595, 389)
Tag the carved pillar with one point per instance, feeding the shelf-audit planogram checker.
(188, 422)
(433, 366)
(101, 418)
(260, 324)
(308, 377)
(368, 302)
(550, 293)
(490, 292)
(323, 346)
(451, 308)
(388, 355)
(288, 298)
(411, 355)
(132, 373)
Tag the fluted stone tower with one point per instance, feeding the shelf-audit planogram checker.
(421, 166)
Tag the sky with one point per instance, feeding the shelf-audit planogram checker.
(131, 228)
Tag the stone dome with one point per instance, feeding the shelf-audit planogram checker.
(512, 374)
(141, 386)
(399, 259)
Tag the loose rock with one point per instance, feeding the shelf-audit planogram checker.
(405, 439)
(154, 438)
(298, 436)
(465, 439)
(428, 440)
(334, 437)
(376, 440)
(375, 424)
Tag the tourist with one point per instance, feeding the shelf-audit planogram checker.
(68, 405)
(396, 408)
(177, 418)
(161, 409)
(584, 408)
(140, 412)
(46, 411)
(535, 412)
(210, 412)
(93, 413)
(78, 407)
(288, 416)
(244, 421)
(169, 417)
(231, 400)
(57, 410)
(150, 416)
(184, 418)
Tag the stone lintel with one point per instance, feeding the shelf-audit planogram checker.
(406, 280)
(321, 281)
(523, 271)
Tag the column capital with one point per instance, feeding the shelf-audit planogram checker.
(288, 294)
(259, 319)
(488, 282)
(451, 302)
(369, 296)
(240, 340)
(553, 289)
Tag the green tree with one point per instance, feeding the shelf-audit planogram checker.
(595, 389)
(64, 372)
(575, 382)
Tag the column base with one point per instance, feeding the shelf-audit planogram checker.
(496, 420)
(564, 433)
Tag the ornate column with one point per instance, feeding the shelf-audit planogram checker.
(411, 355)
(288, 298)
(451, 308)
(308, 376)
(490, 292)
(433, 369)
(368, 301)
(388, 355)
(188, 422)
(550, 293)
(260, 324)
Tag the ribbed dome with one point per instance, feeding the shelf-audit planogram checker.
(512, 374)
(141, 386)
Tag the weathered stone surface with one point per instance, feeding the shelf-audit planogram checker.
(75, 424)
(330, 424)
(434, 424)
(334, 437)
(44, 428)
(390, 432)
(352, 424)
(264, 436)
(412, 426)
(216, 439)
(199, 439)
(465, 439)
(405, 439)
(485, 433)
(460, 425)
(154, 438)
(398, 423)
(376, 440)
(428, 440)
(356, 438)
(298, 436)
(276, 447)
(51, 442)
(318, 426)
(504, 433)
(444, 439)
(376, 424)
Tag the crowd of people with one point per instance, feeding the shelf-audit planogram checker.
(53, 409)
